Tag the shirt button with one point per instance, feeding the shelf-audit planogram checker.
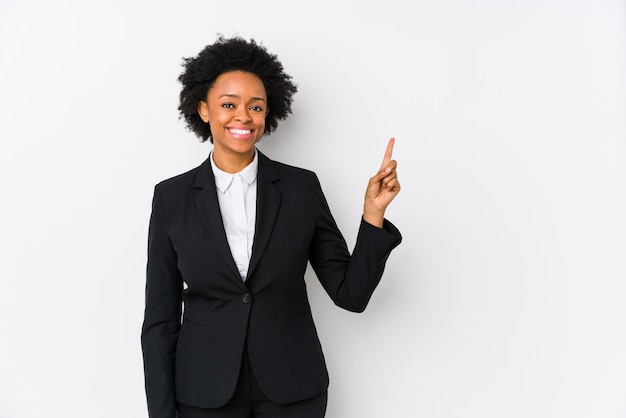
(246, 298)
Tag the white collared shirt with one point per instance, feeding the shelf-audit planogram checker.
(236, 194)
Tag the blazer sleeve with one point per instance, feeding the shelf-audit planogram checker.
(349, 279)
(162, 315)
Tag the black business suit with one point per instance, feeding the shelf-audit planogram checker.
(197, 363)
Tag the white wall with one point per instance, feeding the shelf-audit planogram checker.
(507, 297)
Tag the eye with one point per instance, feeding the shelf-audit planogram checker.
(256, 108)
(228, 105)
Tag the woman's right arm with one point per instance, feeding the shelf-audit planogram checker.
(162, 315)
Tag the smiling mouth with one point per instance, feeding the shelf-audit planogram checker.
(235, 131)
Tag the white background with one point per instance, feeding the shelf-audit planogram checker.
(507, 297)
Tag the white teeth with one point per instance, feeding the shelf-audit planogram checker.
(241, 131)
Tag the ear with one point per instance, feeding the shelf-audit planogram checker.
(203, 111)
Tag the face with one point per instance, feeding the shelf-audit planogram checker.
(235, 108)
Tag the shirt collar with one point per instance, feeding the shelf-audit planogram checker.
(223, 179)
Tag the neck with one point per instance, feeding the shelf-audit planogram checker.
(232, 163)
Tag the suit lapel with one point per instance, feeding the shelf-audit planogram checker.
(268, 202)
(209, 208)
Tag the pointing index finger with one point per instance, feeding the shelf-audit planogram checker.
(388, 152)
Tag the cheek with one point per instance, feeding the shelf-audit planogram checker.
(260, 125)
(260, 121)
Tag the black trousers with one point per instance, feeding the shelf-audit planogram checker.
(249, 401)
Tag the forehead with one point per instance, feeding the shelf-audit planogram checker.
(240, 83)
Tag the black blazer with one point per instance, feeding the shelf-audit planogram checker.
(194, 357)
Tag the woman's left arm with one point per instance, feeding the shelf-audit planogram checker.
(350, 279)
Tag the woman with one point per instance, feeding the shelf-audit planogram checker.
(230, 241)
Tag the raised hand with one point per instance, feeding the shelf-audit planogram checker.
(382, 188)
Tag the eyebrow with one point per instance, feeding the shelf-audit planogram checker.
(234, 96)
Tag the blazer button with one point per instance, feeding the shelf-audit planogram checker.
(246, 298)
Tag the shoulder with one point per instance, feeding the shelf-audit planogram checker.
(287, 172)
(292, 170)
(180, 182)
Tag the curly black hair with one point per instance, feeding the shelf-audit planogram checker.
(233, 54)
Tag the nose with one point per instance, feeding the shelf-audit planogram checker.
(242, 115)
